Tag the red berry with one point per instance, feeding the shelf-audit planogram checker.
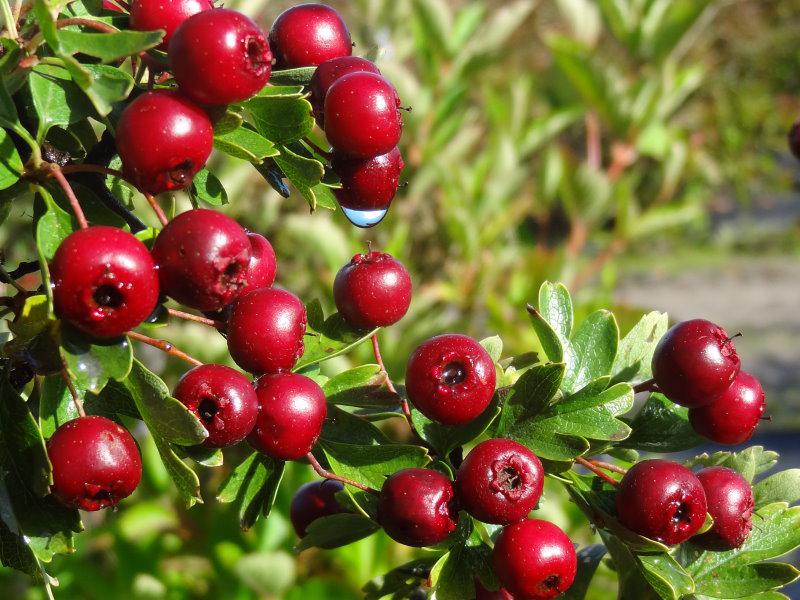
(312, 501)
(794, 139)
(307, 35)
(148, 15)
(372, 290)
(163, 140)
(695, 362)
(327, 73)
(202, 257)
(731, 418)
(368, 184)
(481, 593)
(104, 281)
(262, 266)
(416, 507)
(534, 559)
(661, 500)
(500, 482)
(96, 463)
(223, 399)
(450, 379)
(730, 504)
(220, 56)
(265, 331)
(362, 116)
(292, 409)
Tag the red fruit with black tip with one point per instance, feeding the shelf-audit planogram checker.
(329, 72)
(372, 290)
(367, 184)
(534, 559)
(292, 409)
(733, 417)
(104, 281)
(149, 15)
(362, 116)
(262, 267)
(163, 140)
(202, 258)
(312, 501)
(500, 481)
(307, 35)
(265, 331)
(223, 399)
(96, 463)
(450, 379)
(661, 500)
(730, 504)
(695, 363)
(416, 507)
(220, 56)
(481, 593)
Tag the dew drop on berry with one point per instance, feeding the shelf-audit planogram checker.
(364, 218)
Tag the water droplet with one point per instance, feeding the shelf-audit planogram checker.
(364, 218)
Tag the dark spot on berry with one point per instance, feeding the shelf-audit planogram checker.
(454, 373)
(207, 409)
(108, 296)
(682, 514)
(553, 582)
(509, 478)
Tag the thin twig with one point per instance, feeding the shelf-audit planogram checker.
(597, 471)
(593, 157)
(7, 278)
(100, 170)
(609, 467)
(98, 25)
(322, 472)
(324, 154)
(76, 399)
(196, 318)
(646, 386)
(376, 349)
(162, 217)
(73, 199)
(164, 346)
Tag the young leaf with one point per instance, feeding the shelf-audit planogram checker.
(92, 362)
(632, 363)
(555, 306)
(594, 345)
(369, 464)
(246, 144)
(780, 487)
(494, 346)
(337, 530)
(206, 187)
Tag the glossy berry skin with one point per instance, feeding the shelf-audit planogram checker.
(149, 15)
(220, 56)
(163, 140)
(416, 507)
(330, 71)
(500, 482)
(312, 501)
(372, 290)
(104, 281)
(695, 362)
(369, 184)
(534, 559)
(262, 266)
(733, 417)
(223, 399)
(481, 593)
(96, 463)
(450, 379)
(265, 331)
(307, 35)
(661, 500)
(362, 116)
(292, 409)
(730, 504)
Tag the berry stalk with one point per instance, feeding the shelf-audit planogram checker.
(164, 346)
(195, 318)
(159, 212)
(597, 471)
(73, 199)
(76, 399)
(379, 359)
(323, 472)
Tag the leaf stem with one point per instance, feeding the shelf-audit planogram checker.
(597, 471)
(376, 349)
(609, 467)
(646, 386)
(92, 24)
(84, 168)
(322, 472)
(10, 21)
(196, 318)
(164, 346)
(317, 149)
(76, 399)
(162, 217)
(73, 199)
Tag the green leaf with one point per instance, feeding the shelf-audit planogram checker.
(362, 387)
(632, 363)
(253, 486)
(337, 530)
(588, 560)
(281, 119)
(106, 86)
(294, 91)
(92, 362)
(304, 173)
(206, 187)
(230, 121)
(108, 47)
(45, 13)
(246, 144)
(10, 162)
(400, 581)
(327, 338)
(665, 576)
(347, 428)
(494, 346)
(594, 345)
(749, 462)
(57, 100)
(662, 426)
(780, 487)
(450, 579)
(184, 478)
(443, 439)
(555, 306)
(291, 77)
(746, 580)
(548, 338)
(55, 405)
(370, 465)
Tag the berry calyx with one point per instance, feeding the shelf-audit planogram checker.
(733, 417)
(362, 116)
(416, 507)
(372, 290)
(149, 15)
(312, 501)
(307, 35)
(367, 184)
(220, 56)
(500, 481)
(96, 463)
(262, 266)
(730, 504)
(203, 257)
(330, 71)
(481, 593)
(534, 559)
(661, 500)
(163, 140)
(104, 281)
(265, 331)
(222, 399)
(695, 363)
(450, 379)
(292, 409)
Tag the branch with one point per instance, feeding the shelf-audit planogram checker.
(24, 268)
(164, 346)
(609, 467)
(162, 218)
(597, 471)
(7, 278)
(90, 23)
(76, 399)
(73, 199)
(322, 472)
(196, 318)
(376, 349)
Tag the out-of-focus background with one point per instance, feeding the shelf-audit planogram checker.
(634, 149)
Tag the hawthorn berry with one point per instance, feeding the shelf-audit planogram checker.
(222, 399)
(104, 281)
(307, 35)
(416, 507)
(500, 481)
(163, 140)
(265, 331)
(661, 500)
(534, 559)
(372, 290)
(331, 71)
(481, 593)
(732, 418)
(369, 184)
(96, 463)
(312, 501)
(203, 258)
(450, 379)
(695, 362)
(148, 15)
(220, 56)
(730, 504)
(262, 266)
(794, 139)
(292, 409)
(362, 116)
